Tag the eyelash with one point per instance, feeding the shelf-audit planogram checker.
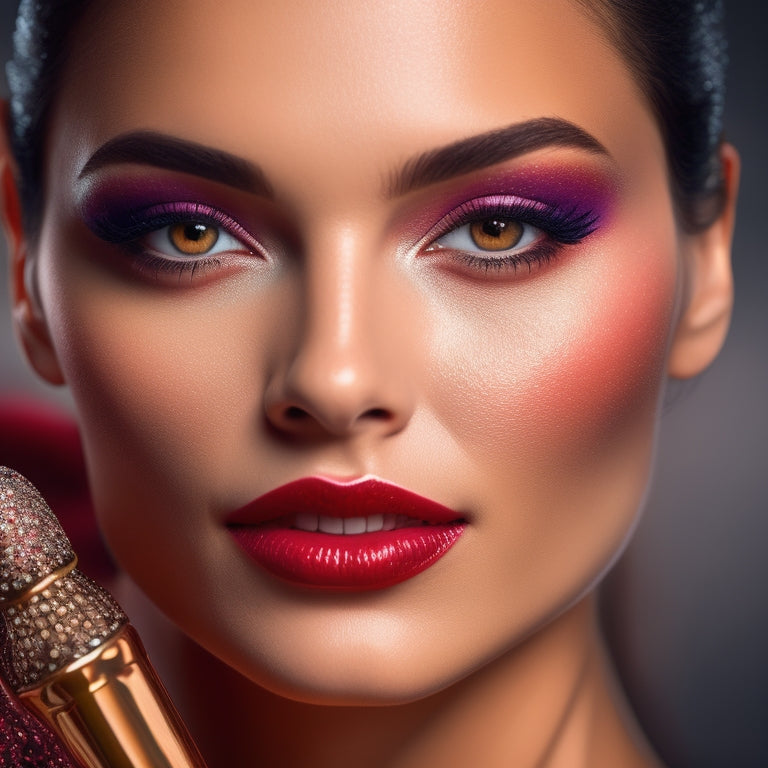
(558, 227)
(131, 230)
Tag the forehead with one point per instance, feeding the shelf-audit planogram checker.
(353, 77)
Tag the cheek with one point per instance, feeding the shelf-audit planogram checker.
(606, 374)
(551, 395)
(146, 371)
(565, 371)
(164, 384)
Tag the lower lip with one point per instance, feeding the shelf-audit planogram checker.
(352, 562)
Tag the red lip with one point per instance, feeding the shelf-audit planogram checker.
(264, 530)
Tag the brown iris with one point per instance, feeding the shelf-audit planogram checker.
(496, 234)
(192, 237)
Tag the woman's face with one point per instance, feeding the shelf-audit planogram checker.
(486, 327)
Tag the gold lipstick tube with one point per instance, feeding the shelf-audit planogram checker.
(110, 710)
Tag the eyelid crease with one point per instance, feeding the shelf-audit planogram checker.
(128, 225)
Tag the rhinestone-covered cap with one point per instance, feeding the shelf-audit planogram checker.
(46, 624)
(57, 626)
(32, 543)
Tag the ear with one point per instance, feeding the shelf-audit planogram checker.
(708, 300)
(28, 318)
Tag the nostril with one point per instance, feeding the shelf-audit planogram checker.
(296, 417)
(377, 413)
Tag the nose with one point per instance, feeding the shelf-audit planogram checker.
(343, 366)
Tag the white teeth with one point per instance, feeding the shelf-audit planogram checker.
(330, 524)
(308, 521)
(354, 525)
(305, 521)
(373, 523)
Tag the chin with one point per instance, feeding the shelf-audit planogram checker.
(347, 667)
(383, 682)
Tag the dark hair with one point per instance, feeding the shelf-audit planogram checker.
(675, 49)
(39, 52)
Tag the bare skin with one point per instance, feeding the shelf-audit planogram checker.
(554, 703)
(523, 394)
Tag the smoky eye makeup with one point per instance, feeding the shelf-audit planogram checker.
(165, 229)
(506, 232)
(494, 224)
(523, 220)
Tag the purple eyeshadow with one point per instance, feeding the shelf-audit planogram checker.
(120, 203)
(124, 209)
(580, 193)
(574, 201)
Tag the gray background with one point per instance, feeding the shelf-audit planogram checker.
(687, 608)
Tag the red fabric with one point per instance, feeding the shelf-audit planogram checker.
(43, 444)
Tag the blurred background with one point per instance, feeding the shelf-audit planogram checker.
(687, 607)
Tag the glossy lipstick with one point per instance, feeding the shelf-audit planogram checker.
(351, 535)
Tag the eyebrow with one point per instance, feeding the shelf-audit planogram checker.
(487, 149)
(474, 153)
(175, 154)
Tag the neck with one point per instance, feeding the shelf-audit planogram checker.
(549, 703)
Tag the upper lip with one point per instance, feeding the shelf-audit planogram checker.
(360, 497)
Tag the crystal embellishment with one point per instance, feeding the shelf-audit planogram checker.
(32, 543)
(54, 628)
(52, 613)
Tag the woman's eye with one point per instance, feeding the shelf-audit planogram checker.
(192, 238)
(493, 234)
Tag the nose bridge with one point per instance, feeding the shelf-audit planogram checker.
(337, 294)
(341, 371)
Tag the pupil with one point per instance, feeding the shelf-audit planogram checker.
(494, 227)
(195, 232)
